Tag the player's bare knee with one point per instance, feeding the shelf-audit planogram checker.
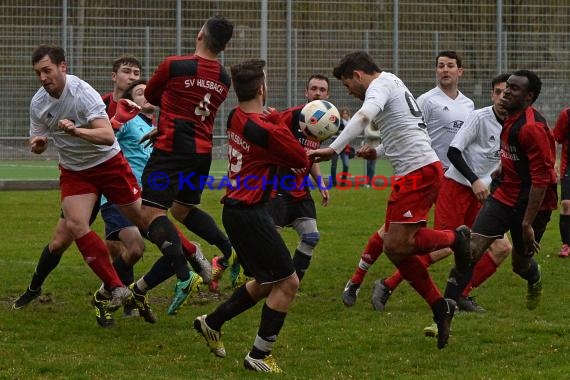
(500, 250)
(565, 207)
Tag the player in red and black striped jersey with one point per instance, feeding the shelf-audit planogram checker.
(291, 203)
(188, 89)
(562, 136)
(525, 194)
(258, 143)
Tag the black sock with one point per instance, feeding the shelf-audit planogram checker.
(301, 262)
(47, 262)
(160, 272)
(239, 302)
(269, 328)
(564, 226)
(124, 270)
(456, 282)
(531, 275)
(203, 225)
(162, 233)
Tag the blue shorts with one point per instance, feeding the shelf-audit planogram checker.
(114, 221)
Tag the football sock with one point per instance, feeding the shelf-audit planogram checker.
(301, 262)
(531, 275)
(160, 271)
(162, 233)
(456, 282)
(427, 240)
(396, 278)
(269, 328)
(96, 255)
(564, 226)
(484, 269)
(124, 270)
(371, 252)
(46, 264)
(203, 225)
(417, 275)
(239, 302)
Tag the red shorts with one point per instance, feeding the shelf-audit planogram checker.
(112, 178)
(456, 205)
(413, 196)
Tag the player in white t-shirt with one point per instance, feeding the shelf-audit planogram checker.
(391, 106)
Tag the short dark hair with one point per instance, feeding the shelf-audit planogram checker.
(218, 31)
(319, 77)
(128, 94)
(127, 60)
(55, 53)
(358, 60)
(501, 78)
(449, 54)
(534, 82)
(247, 76)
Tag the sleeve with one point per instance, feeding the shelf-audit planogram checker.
(37, 128)
(287, 117)
(157, 83)
(92, 104)
(457, 160)
(561, 127)
(535, 142)
(285, 148)
(356, 125)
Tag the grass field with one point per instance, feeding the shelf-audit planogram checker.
(58, 337)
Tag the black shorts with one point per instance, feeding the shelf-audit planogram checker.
(496, 218)
(172, 177)
(260, 249)
(565, 187)
(115, 221)
(286, 209)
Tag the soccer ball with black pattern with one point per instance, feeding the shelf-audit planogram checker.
(319, 119)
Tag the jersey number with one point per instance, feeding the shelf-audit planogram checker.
(415, 109)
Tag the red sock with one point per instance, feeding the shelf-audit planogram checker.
(188, 247)
(427, 240)
(416, 273)
(371, 252)
(96, 255)
(484, 269)
(396, 278)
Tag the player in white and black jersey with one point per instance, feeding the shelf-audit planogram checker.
(391, 106)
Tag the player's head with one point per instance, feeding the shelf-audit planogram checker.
(50, 68)
(344, 113)
(448, 69)
(498, 85)
(126, 69)
(135, 92)
(317, 87)
(523, 88)
(354, 70)
(216, 33)
(248, 79)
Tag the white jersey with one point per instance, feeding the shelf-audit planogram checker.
(390, 106)
(480, 142)
(443, 117)
(78, 102)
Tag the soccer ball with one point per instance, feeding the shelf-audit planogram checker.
(319, 119)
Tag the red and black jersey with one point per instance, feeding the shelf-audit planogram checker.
(189, 90)
(298, 187)
(562, 136)
(257, 145)
(110, 104)
(527, 158)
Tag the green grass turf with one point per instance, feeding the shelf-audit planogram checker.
(57, 337)
(46, 170)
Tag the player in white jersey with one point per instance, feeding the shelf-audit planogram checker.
(444, 107)
(73, 114)
(389, 103)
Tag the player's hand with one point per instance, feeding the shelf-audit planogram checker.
(323, 154)
(271, 115)
(150, 137)
(38, 144)
(126, 110)
(480, 190)
(67, 126)
(367, 152)
(324, 194)
(532, 246)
